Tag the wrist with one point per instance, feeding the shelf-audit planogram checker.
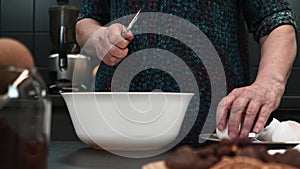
(275, 83)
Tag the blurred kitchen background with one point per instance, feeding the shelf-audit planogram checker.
(28, 22)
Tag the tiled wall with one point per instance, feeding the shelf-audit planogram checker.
(28, 21)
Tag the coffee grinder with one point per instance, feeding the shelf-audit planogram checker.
(65, 51)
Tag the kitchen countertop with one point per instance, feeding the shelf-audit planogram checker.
(77, 155)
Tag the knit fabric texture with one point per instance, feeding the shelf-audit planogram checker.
(222, 21)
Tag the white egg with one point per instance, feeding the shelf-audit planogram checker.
(276, 131)
(266, 134)
(284, 132)
(281, 131)
(223, 134)
(296, 127)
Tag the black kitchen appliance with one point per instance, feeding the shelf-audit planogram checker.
(65, 51)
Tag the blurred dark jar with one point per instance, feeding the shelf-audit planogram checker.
(25, 116)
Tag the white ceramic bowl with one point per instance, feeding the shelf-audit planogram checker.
(127, 121)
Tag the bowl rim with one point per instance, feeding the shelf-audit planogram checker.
(126, 93)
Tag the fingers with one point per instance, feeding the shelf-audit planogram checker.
(118, 53)
(115, 55)
(116, 44)
(263, 116)
(248, 106)
(115, 36)
(250, 115)
(236, 114)
(111, 60)
(222, 110)
(129, 36)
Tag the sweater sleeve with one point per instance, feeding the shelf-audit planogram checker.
(95, 9)
(263, 16)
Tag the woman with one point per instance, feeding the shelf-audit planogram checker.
(271, 22)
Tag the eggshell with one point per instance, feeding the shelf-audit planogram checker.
(266, 134)
(284, 132)
(223, 134)
(296, 128)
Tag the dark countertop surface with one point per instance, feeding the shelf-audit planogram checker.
(77, 155)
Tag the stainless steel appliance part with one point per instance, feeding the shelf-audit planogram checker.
(64, 77)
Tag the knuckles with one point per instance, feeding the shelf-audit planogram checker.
(119, 53)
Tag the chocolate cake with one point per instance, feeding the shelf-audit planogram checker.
(232, 154)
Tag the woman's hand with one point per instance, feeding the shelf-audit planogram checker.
(106, 43)
(249, 106)
(252, 105)
(111, 46)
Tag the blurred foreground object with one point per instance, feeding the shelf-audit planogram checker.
(14, 53)
(25, 110)
(228, 154)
